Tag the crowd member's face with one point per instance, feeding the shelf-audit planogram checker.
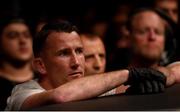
(17, 42)
(94, 52)
(170, 7)
(63, 58)
(147, 34)
(120, 19)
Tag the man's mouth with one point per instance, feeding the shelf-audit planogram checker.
(75, 75)
(23, 49)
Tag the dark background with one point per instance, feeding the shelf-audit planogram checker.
(74, 10)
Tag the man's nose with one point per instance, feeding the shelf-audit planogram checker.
(74, 61)
(97, 63)
(22, 39)
(151, 35)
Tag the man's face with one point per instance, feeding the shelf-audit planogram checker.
(16, 42)
(63, 57)
(94, 52)
(170, 7)
(147, 34)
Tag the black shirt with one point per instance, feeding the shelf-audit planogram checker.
(6, 87)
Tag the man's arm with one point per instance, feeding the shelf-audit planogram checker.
(172, 72)
(174, 69)
(167, 72)
(78, 89)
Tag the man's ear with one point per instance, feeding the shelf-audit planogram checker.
(39, 66)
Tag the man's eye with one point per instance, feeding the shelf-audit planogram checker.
(89, 56)
(159, 32)
(175, 11)
(79, 51)
(12, 34)
(63, 53)
(27, 35)
(101, 55)
(141, 31)
(165, 10)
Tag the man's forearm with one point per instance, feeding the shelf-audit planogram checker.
(169, 73)
(95, 85)
(174, 72)
(78, 89)
(90, 86)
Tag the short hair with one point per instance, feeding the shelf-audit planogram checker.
(41, 37)
(10, 20)
(159, 12)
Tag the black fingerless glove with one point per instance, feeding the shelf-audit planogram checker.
(145, 81)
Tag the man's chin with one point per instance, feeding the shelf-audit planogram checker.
(152, 58)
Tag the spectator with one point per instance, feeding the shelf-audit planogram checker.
(15, 56)
(95, 54)
(147, 39)
(116, 39)
(168, 6)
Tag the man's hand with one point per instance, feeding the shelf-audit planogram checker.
(145, 81)
(174, 75)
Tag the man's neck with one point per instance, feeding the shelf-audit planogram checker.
(137, 62)
(16, 74)
(45, 83)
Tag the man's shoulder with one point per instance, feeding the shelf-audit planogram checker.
(32, 84)
(27, 83)
(22, 91)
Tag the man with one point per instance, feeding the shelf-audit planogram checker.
(59, 59)
(169, 6)
(16, 55)
(94, 52)
(147, 37)
(116, 38)
(95, 58)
